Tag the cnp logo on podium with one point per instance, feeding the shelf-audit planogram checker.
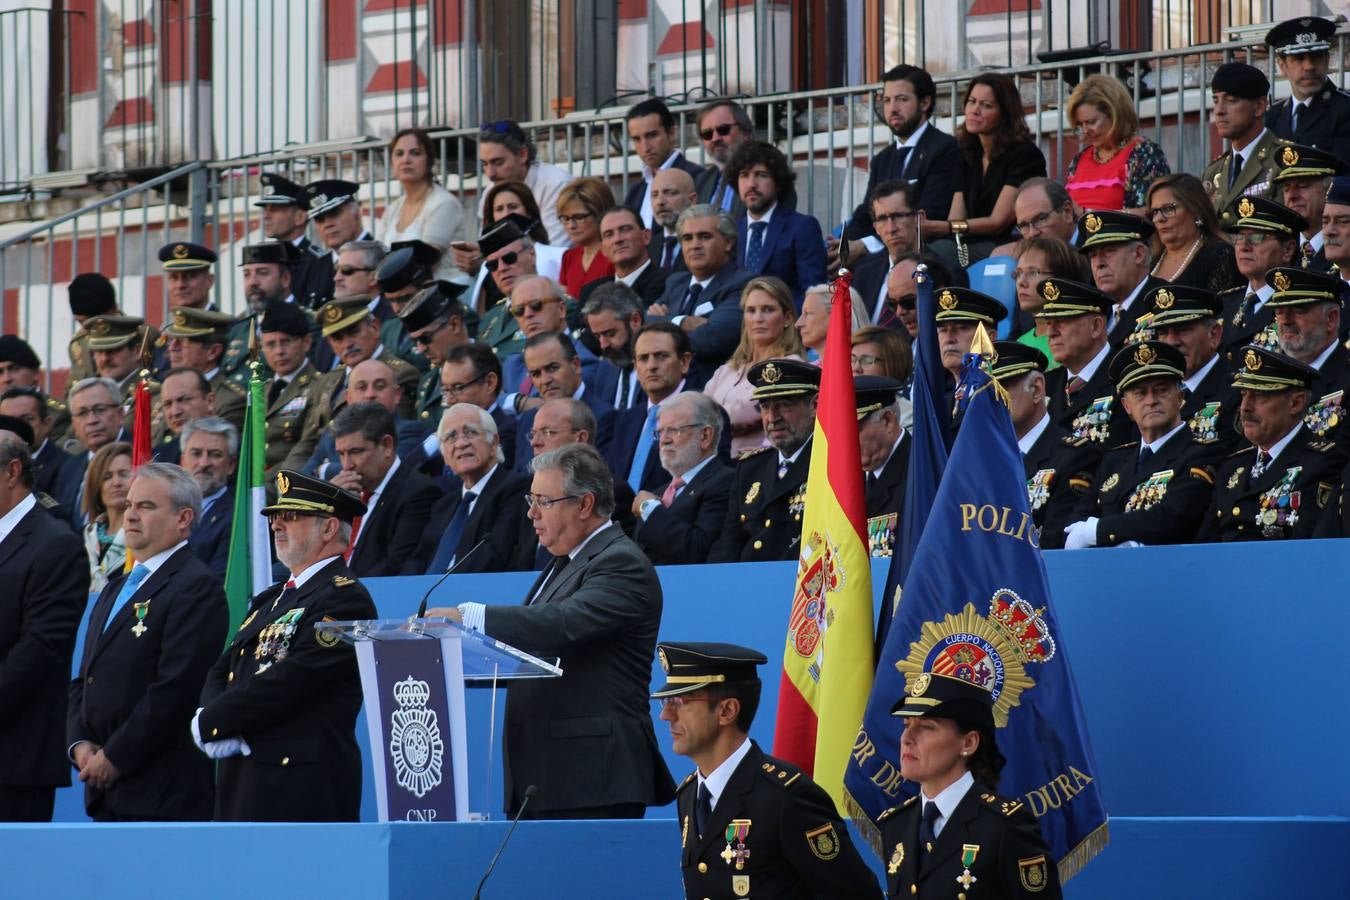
(415, 716)
(415, 746)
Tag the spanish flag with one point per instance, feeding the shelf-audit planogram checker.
(828, 656)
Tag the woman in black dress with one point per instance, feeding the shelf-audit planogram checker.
(997, 155)
(1189, 246)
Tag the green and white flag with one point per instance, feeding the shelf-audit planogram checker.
(249, 569)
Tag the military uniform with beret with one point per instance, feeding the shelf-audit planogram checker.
(1105, 228)
(768, 493)
(989, 846)
(1244, 321)
(277, 190)
(773, 832)
(1324, 119)
(287, 398)
(1294, 287)
(1255, 177)
(1211, 407)
(290, 693)
(1273, 499)
(1060, 468)
(1151, 495)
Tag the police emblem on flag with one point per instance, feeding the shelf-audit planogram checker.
(415, 744)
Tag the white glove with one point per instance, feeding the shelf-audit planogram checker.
(228, 747)
(1129, 544)
(1081, 534)
(196, 729)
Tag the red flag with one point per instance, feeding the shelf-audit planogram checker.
(140, 426)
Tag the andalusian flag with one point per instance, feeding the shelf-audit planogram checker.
(827, 660)
(249, 569)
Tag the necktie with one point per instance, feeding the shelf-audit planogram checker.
(1235, 169)
(754, 247)
(668, 252)
(554, 569)
(1144, 456)
(356, 528)
(275, 390)
(901, 160)
(1293, 118)
(1244, 308)
(454, 532)
(285, 593)
(782, 467)
(668, 496)
(138, 574)
(526, 385)
(625, 389)
(644, 447)
(1073, 387)
(691, 299)
(1263, 459)
(926, 833)
(703, 811)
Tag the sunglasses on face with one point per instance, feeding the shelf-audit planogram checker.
(721, 130)
(347, 271)
(506, 259)
(534, 306)
(906, 303)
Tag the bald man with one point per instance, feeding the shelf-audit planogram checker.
(672, 193)
(370, 381)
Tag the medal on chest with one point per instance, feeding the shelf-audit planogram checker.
(968, 854)
(1038, 488)
(1325, 414)
(142, 610)
(1204, 425)
(1267, 338)
(1277, 507)
(737, 832)
(274, 640)
(897, 859)
(1150, 492)
(1094, 423)
(881, 534)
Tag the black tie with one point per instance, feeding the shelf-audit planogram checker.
(554, 569)
(275, 391)
(625, 388)
(1236, 168)
(668, 253)
(902, 157)
(1144, 456)
(691, 299)
(703, 810)
(926, 834)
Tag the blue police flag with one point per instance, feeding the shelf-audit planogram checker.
(931, 435)
(977, 606)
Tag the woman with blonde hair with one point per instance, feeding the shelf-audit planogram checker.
(104, 504)
(1117, 163)
(768, 331)
(581, 204)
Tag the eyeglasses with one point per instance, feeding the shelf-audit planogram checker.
(352, 270)
(675, 703)
(468, 432)
(426, 337)
(289, 515)
(865, 359)
(674, 430)
(454, 390)
(534, 306)
(1251, 239)
(893, 218)
(534, 500)
(576, 219)
(1093, 124)
(1019, 274)
(906, 302)
(548, 433)
(721, 130)
(1161, 213)
(96, 411)
(506, 259)
(1035, 223)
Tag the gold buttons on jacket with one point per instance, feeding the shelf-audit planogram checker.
(230, 677)
(285, 760)
(702, 868)
(759, 545)
(215, 732)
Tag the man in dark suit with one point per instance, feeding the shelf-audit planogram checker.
(336, 214)
(623, 241)
(679, 520)
(706, 300)
(153, 635)
(803, 848)
(398, 498)
(286, 218)
(651, 128)
(555, 369)
(489, 502)
(632, 454)
(897, 224)
(885, 458)
(584, 740)
(54, 470)
(1303, 179)
(1116, 247)
(210, 456)
(673, 192)
(1317, 112)
(723, 125)
(45, 572)
(614, 314)
(772, 238)
(279, 706)
(1191, 320)
(919, 155)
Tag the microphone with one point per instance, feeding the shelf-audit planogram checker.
(529, 792)
(422, 607)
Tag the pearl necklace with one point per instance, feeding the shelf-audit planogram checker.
(1190, 254)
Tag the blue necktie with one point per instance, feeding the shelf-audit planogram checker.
(901, 161)
(755, 246)
(691, 299)
(445, 550)
(644, 446)
(138, 573)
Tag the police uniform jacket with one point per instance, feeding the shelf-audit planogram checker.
(393, 527)
(303, 286)
(1094, 411)
(764, 517)
(1128, 320)
(1239, 334)
(1327, 407)
(287, 445)
(1061, 469)
(683, 533)
(293, 695)
(1323, 123)
(46, 577)
(1254, 179)
(135, 694)
(1161, 501)
(1211, 409)
(798, 846)
(1284, 502)
(1012, 859)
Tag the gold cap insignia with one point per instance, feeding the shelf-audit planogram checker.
(283, 484)
(947, 300)
(179, 317)
(1281, 282)
(771, 373)
(661, 655)
(100, 327)
(1246, 207)
(1092, 223)
(1252, 361)
(1144, 355)
(1289, 156)
(1049, 291)
(1165, 299)
(921, 682)
(180, 251)
(333, 314)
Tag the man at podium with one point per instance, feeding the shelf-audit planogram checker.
(585, 740)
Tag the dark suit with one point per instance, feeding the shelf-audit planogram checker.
(1126, 322)
(798, 846)
(45, 572)
(1060, 470)
(628, 425)
(1006, 867)
(211, 534)
(306, 257)
(793, 249)
(392, 529)
(324, 462)
(764, 515)
(720, 303)
(656, 249)
(931, 167)
(869, 277)
(604, 428)
(683, 533)
(709, 183)
(649, 285)
(605, 382)
(496, 515)
(586, 739)
(637, 191)
(297, 713)
(135, 695)
(1323, 123)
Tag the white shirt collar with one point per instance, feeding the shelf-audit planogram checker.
(948, 799)
(894, 447)
(1092, 366)
(693, 471)
(375, 499)
(481, 485)
(313, 570)
(1156, 445)
(648, 174)
(717, 779)
(1125, 304)
(1192, 384)
(1316, 240)
(10, 520)
(751, 219)
(160, 558)
(572, 554)
(1263, 294)
(1028, 440)
(679, 388)
(211, 374)
(789, 460)
(1275, 449)
(581, 389)
(913, 139)
(1244, 152)
(1324, 355)
(635, 274)
(704, 283)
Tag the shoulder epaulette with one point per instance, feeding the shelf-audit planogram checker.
(316, 251)
(779, 773)
(1234, 291)
(1125, 446)
(753, 451)
(888, 813)
(45, 500)
(53, 403)
(1006, 807)
(1246, 449)
(687, 781)
(235, 387)
(909, 801)
(342, 581)
(1070, 440)
(1321, 446)
(1203, 474)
